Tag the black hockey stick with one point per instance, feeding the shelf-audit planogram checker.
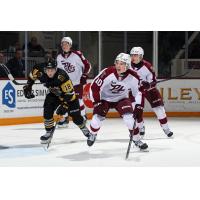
(179, 76)
(130, 141)
(10, 76)
(51, 137)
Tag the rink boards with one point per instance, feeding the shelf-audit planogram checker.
(181, 98)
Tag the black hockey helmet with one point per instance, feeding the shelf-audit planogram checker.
(51, 64)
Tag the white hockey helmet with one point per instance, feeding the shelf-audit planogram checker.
(67, 39)
(137, 51)
(124, 57)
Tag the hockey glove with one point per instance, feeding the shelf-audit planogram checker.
(28, 92)
(62, 109)
(84, 78)
(100, 108)
(138, 111)
(145, 85)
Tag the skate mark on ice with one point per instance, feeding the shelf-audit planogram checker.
(159, 138)
(3, 147)
(25, 146)
(24, 129)
(21, 152)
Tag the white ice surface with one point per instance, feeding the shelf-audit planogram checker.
(20, 145)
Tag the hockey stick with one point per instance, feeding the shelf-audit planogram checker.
(174, 77)
(10, 76)
(130, 141)
(51, 137)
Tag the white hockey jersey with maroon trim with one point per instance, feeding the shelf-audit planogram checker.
(112, 88)
(74, 64)
(145, 71)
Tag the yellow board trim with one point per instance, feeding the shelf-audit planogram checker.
(39, 119)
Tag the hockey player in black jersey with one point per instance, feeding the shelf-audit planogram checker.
(61, 97)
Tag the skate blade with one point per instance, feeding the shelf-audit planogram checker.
(144, 150)
(63, 126)
(140, 150)
(46, 141)
(46, 145)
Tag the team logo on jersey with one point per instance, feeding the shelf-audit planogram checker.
(69, 68)
(116, 88)
(60, 77)
(9, 96)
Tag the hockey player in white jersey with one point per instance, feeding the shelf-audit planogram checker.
(78, 68)
(110, 89)
(148, 81)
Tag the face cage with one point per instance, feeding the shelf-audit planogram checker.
(140, 57)
(127, 65)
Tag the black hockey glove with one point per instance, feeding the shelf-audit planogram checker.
(62, 109)
(28, 91)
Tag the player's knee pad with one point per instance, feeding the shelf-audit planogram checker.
(129, 120)
(160, 112)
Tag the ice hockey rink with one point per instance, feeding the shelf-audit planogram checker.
(20, 145)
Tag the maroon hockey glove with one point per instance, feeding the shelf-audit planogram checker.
(100, 108)
(84, 78)
(138, 111)
(145, 85)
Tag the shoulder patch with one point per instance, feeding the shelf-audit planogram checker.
(61, 78)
